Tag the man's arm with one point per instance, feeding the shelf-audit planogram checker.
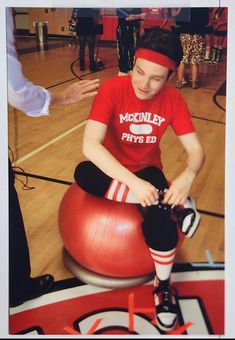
(35, 100)
(32, 99)
(180, 187)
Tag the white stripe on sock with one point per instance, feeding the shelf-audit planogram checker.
(163, 270)
(131, 198)
(111, 189)
(163, 253)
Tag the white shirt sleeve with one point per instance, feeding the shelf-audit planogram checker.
(22, 94)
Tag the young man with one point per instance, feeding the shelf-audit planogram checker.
(121, 140)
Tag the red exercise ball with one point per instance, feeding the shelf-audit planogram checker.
(104, 236)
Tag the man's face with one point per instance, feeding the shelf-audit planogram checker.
(148, 78)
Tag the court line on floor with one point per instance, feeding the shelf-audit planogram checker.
(52, 141)
(32, 153)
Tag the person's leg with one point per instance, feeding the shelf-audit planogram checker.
(197, 57)
(93, 180)
(214, 49)
(186, 215)
(21, 286)
(99, 32)
(219, 50)
(122, 52)
(91, 46)
(82, 44)
(19, 261)
(131, 41)
(181, 81)
(181, 75)
(96, 54)
(194, 72)
(208, 43)
(160, 233)
(208, 47)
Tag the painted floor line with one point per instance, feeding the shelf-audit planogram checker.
(54, 140)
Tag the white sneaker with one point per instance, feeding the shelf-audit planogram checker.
(188, 218)
(166, 307)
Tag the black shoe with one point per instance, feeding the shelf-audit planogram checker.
(166, 307)
(93, 68)
(99, 65)
(218, 56)
(38, 286)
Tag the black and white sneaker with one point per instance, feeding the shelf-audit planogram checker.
(188, 218)
(166, 307)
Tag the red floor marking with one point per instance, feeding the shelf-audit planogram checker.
(181, 329)
(70, 330)
(95, 325)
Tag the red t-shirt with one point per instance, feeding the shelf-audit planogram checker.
(221, 17)
(135, 126)
(157, 17)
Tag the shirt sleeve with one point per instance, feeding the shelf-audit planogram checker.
(103, 103)
(22, 94)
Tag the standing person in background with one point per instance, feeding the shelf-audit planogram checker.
(172, 14)
(86, 32)
(34, 101)
(220, 33)
(192, 40)
(121, 142)
(155, 17)
(209, 34)
(127, 33)
(98, 18)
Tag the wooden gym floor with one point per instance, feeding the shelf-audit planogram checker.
(49, 148)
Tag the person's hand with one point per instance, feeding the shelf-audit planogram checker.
(76, 92)
(131, 17)
(140, 16)
(179, 189)
(146, 193)
(143, 16)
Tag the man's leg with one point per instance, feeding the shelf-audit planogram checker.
(161, 236)
(159, 230)
(19, 262)
(21, 286)
(82, 45)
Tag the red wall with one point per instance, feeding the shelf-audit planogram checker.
(109, 28)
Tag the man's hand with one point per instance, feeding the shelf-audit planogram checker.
(146, 193)
(76, 92)
(179, 189)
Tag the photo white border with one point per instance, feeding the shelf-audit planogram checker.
(229, 150)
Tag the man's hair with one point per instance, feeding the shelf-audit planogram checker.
(164, 42)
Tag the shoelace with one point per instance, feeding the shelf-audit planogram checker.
(165, 292)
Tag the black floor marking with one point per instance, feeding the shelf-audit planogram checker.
(49, 179)
(220, 92)
(208, 120)
(59, 181)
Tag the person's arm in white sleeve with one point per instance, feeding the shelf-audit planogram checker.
(22, 94)
(32, 99)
